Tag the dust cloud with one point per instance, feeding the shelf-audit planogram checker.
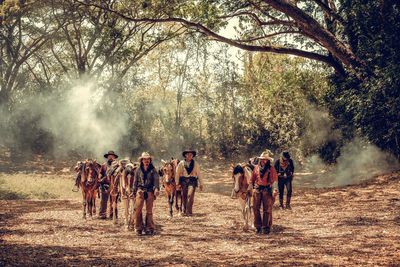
(83, 120)
(361, 160)
(357, 159)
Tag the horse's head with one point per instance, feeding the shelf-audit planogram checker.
(175, 162)
(129, 167)
(123, 163)
(90, 170)
(238, 177)
(167, 171)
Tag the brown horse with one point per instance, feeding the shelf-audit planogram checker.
(126, 184)
(168, 171)
(121, 182)
(241, 176)
(113, 173)
(89, 183)
(178, 193)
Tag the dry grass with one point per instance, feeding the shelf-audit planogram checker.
(37, 186)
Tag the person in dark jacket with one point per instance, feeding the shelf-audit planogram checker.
(146, 187)
(105, 184)
(285, 168)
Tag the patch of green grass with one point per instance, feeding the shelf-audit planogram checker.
(37, 186)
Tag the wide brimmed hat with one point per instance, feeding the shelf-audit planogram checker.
(265, 155)
(189, 151)
(145, 155)
(286, 155)
(110, 153)
(125, 161)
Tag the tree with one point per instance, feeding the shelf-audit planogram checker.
(312, 29)
(358, 38)
(371, 107)
(102, 42)
(24, 30)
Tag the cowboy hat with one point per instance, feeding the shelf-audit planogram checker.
(265, 155)
(286, 155)
(189, 151)
(145, 155)
(110, 153)
(125, 161)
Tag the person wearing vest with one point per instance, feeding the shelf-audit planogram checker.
(285, 168)
(188, 177)
(263, 180)
(146, 187)
(105, 184)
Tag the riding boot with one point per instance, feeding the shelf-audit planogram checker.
(288, 203)
(281, 203)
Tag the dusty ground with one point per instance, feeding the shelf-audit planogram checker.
(352, 225)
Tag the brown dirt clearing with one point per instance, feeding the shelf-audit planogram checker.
(352, 225)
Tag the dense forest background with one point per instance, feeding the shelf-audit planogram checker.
(78, 78)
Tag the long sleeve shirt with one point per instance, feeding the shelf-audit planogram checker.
(270, 177)
(288, 172)
(103, 171)
(182, 172)
(146, 180)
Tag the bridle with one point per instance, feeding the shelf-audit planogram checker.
(242, 189)
(89, 168)
(169, 172)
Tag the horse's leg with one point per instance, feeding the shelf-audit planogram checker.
(247, 213)
(94, 202)
(84, 204)
(242, 203)
(171, 203)
(125, 202)
(180, 202)
(114, 206)
(176, 201)
(89, 203)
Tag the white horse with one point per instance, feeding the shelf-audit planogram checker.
(242, 190)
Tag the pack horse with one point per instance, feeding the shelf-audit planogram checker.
(89, 178)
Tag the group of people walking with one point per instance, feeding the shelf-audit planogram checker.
(146, 187)
(266, 180)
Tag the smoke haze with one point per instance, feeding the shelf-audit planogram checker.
(78, 119)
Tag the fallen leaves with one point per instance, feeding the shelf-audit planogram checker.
(339, 226)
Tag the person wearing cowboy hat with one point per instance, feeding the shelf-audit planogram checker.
(188, 177)
(263, 179)
(146, 187)
(105, 184)
(285, 168)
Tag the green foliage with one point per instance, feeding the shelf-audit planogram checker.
(282, 94)
(185, 93)
(370, 106)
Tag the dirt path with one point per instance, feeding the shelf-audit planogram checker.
(353, 225)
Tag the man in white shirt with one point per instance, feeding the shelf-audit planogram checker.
(188, 177)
